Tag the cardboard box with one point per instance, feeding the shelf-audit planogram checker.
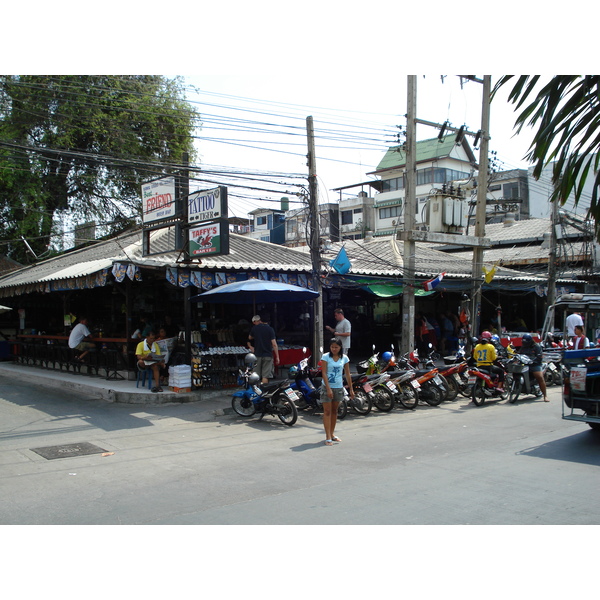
(181, 390)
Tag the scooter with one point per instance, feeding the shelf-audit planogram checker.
(302, 382)
(276, 398)
(383, 388)
(520, 379)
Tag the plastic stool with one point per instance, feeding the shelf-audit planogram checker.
(142, 375)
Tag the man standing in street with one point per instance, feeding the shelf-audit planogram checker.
(263, 345)
(343, 329)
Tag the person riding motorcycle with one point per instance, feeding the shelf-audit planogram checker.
(485, 355)
(534, 351)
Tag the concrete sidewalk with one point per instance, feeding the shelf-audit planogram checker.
(112, 390)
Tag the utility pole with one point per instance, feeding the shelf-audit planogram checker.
(184, 192)
(551, 296)
(313, 241)
(480, 212)
(410, 204)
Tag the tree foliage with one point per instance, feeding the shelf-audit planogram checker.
(81, 146)
(566, 112)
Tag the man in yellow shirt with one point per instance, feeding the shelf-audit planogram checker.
(144, 351)
(485, 355)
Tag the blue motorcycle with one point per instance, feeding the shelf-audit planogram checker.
(275, 398)
(301, 377)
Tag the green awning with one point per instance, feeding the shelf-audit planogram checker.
(385, 290)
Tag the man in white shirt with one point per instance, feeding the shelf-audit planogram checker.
(78, 337)
(572, 321)
(343, 329)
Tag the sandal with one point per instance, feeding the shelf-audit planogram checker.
(328, 442)
(335, 438)
(546, 399)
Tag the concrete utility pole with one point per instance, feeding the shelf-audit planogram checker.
(410, 205)
(480, 213)
(551, 296)
(313, 240)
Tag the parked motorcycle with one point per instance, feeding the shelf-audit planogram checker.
(383, 388)
(402, 384)
(433, 386)
(456, 372)
(520, 379)
(408, 387)
(553, 373)
(276, 398)
(302, 379)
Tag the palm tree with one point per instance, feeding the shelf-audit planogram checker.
(566, 111)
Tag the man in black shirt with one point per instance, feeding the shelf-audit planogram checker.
(263, 344)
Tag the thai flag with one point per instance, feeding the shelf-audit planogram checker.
(431, 283)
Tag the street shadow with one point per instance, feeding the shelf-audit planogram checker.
(307, 446)
(582, 447)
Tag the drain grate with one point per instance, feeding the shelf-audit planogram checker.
(68, 450)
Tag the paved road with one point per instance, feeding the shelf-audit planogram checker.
(181, 464)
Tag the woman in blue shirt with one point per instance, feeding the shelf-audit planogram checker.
(334, 365)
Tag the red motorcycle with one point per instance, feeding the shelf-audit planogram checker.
(485, 385)
(456, 382)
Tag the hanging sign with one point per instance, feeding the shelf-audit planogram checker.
(158, 200)
(209, 239)
(207, 205)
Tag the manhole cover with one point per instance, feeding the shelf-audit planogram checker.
(68, 450)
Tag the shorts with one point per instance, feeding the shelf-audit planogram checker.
(264, 366)
(84, 346)
(535, 368)
(338, 395)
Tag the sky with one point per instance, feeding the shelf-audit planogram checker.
(353, 126)
(339, 63)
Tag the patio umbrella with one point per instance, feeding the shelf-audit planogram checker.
(252, 291)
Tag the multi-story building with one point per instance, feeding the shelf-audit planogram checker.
(439, 164)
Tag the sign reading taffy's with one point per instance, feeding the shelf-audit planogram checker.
(207, 205)
(158, 200)
(209, 238)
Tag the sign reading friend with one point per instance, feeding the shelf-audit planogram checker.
(207, 205)
(158, 200)
(209, 238)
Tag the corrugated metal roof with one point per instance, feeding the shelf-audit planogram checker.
(427, 150)
(245, 254)
(384, 256)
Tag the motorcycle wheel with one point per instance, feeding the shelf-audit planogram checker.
(478, 393)
(286, 410)
(243, 406)
(515, 390)
(342, 410)
(362, 403)
(452, 388)
(434, 395)
(384, 399)
(549, 377)
(557, 378)
(464, 388)
(408, 397)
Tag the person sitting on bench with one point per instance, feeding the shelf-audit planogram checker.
(79, 339)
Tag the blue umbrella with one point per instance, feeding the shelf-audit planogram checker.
(252, 291)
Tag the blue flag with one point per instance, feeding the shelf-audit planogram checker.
(341, 263)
